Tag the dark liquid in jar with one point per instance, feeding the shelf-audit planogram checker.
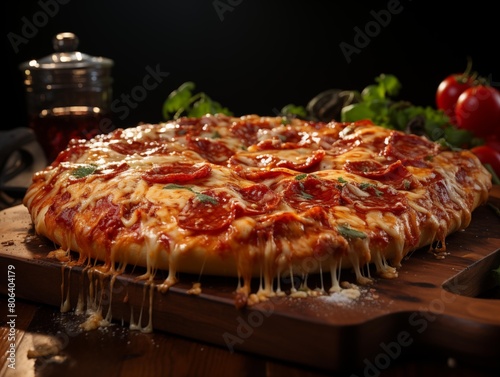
(54, 132)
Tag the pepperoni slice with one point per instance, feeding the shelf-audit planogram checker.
(64, 216)
(311, 192)
(188, 126)
(292, 136)
(365, 167)
(248, 131)
(302, 161)
(214, 151)
(259, 175)
(340, 146)
(129, 147)
(367, 198)
(111, 170)
(207, 211)
(410, 148)
(269, 144)
(109, 218)
(392, 174)
(283, 143)
(259, 199)
(177, 173)
(311, 161)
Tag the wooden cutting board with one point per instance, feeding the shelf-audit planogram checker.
(434, 303)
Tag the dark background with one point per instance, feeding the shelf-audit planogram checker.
(257, 56)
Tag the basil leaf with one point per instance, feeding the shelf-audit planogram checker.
(347, 232)
(183, 102)
(390, 83)
(178, 100)
(84, 170)
(292, 110)
(201, 197)
(356, 111)
(174, 186)
(201, 107)
(207, 199)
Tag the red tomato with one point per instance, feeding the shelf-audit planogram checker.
(448, 92)
(494, 142)
(488, 155)
(478, 111)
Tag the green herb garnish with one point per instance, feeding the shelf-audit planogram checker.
(291, 111)
(347, 232)
(84, 170)
(378, 103)
(302, 192)
(206, 199)
(300, 176)
(182, 101)
(363, 186)
(201, 197)
(174, 186)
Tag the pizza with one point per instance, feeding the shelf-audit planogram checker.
(255, 197)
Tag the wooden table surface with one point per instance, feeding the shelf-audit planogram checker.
(42, 341)
(64, 350)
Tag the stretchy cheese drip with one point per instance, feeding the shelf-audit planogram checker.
(322, 284)
(393, 226)
(80, 305)
(95, 304)
(335, 269)
(138, 325)
(355, 260)
(109, 314)
(65, 304)
(383, 268)
(269, 267)
(149, 327)
(147, 288)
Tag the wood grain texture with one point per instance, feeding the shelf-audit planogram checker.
(432, 305)
(119, 352)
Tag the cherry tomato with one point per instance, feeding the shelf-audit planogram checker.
(448, 92)
(488, 155)
(478, 111)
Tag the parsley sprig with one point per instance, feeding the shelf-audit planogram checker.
(200, 196)
(379, 103)
(183, 102)
(346, 231)
(83, 171)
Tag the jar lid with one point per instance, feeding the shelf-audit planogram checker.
(66, 56)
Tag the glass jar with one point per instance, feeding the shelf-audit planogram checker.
(68, 95)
